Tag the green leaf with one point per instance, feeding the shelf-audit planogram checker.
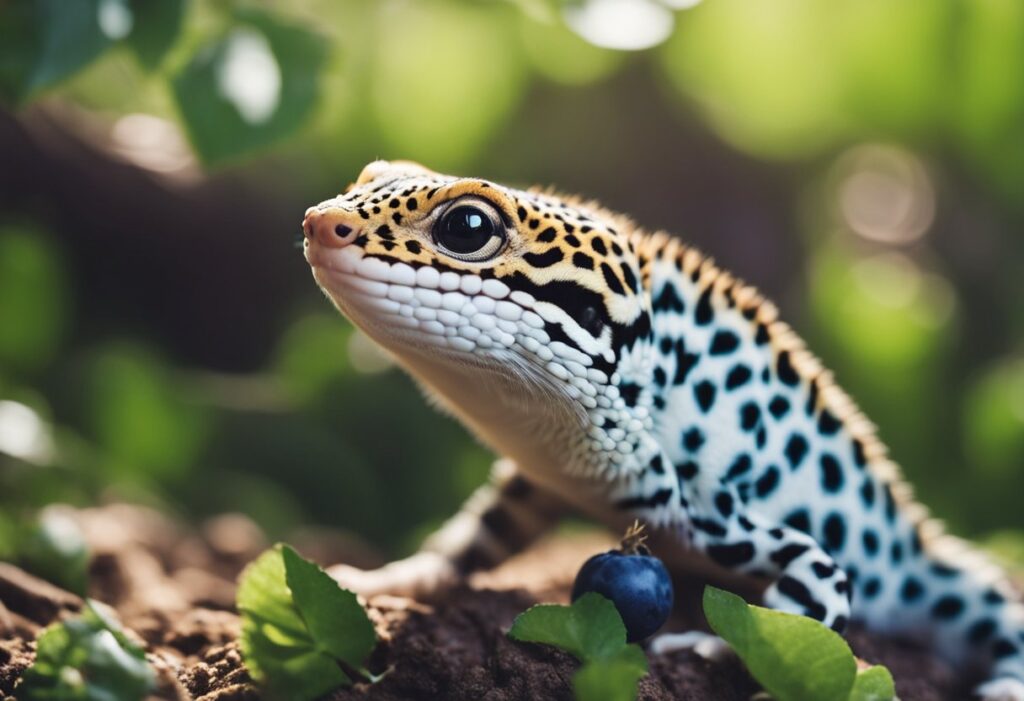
(55, 550)
(337, 622)
(72, 35)
(613, 679)
(88, 658)
(297, 624)
(250, 87)
(873, 684)
(155, 28)
(794, 657)
(590, 629)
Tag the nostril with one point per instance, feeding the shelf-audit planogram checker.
(342, 231)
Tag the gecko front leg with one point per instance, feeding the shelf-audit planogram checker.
(498, 520)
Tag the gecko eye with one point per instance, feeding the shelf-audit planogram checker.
(470, 232)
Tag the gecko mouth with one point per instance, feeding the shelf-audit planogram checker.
(476, 321)
(462, 313)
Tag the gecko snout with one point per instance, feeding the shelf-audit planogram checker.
(332, 228)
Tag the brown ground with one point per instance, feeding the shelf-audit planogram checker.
(174, 589)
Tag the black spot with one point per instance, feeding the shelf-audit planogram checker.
(740, 466)
(870, 540)
(982, 630)
(827, 423)
(388, 245)
(613, 282)
(948, 607)
(724, 342)
(915, 543)
(660, 377)
(737, 377)
(572, 241)
(890, 504)
(704, 393)
(761, 438)
(657, 465)
(413, 247)
(867, 492)
(787, 553)
(629, 277)
(411, 204)
(993, 598)
(687, 470)
(1003, 648)
(665, 344)
(598, 245)
(685, 362)
(591, 321)
(731, 554)
(384, 231)
(708, 526)
(944, 571)
(823, 570)
(896, 553)
(831, 473)
(778, 406)
(796, 450)
(872, 586)
(798, 592)
(545, 259)
(912, 590)
(785, 371)
(834, 530)
(395, 202)
(533, 223)
(812, 398)
(659, 498)
(745, 523)
(630, 392)
(582, 260)
(616, 248)
(750, 415)
(859, 458)
(777, 533)
(799, 520)
(668, 300)
(704, 313)
(762, 336)
(521, 213)
(723, 502)
(693, 439)
(547, 236)
(767, 482)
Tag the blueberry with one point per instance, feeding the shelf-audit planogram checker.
(635, 581)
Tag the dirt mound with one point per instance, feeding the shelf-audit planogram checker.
(174, 589)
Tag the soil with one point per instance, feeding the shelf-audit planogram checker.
(174, 590)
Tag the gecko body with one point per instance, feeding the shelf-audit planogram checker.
(624, 375)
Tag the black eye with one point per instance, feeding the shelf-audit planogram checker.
(469, 231)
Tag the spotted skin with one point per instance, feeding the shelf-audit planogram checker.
(624, 374)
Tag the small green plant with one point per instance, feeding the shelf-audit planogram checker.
(794, 658)
(592, 631)
(88, 658)
(302, 634)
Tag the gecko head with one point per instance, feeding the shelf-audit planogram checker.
(541, 287)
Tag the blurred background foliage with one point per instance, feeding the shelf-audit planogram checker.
(862, 161)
